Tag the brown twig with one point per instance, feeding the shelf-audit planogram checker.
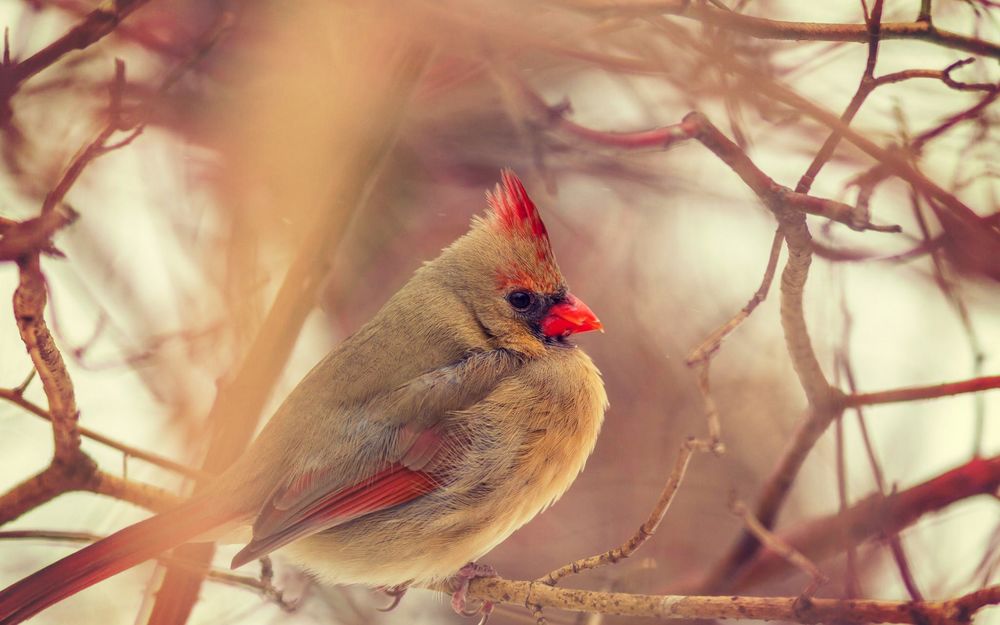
(700, 358)
(876, 515)
(13, 396)
(916, 393)
(648, 527)
(779, 547)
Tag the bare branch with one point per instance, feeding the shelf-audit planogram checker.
(647, 529)
(917, 393)
(779, 547)
(794, 609)
(876, 515)
(15, 397)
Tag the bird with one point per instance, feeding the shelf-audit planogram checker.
(454, 416)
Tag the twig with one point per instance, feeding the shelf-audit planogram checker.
(916, 393)
(895, 543)
(648, 527)
(700, 358)
(875, 516)
(14, 397)
(696, 126)
(780, 548)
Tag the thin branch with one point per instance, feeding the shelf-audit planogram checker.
(13, 396)
(779, 547)
(874, 516)
(762, 28)
(916, 393)
(648, 527)
(700, 358)
(696, 126)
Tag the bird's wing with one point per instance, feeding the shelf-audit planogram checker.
(316, 500)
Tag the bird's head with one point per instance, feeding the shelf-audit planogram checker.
(505, 272)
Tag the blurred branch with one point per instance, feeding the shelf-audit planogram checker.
(917, 393)
(762, 28)
(700, 358)
(876, 515)
(239, 403)
(79, 475)
(95, 26)
(15, 397)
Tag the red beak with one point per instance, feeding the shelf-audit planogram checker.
(570, 316)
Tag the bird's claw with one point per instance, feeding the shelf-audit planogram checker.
(462, 578)
(396, 593)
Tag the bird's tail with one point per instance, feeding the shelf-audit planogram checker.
(114, 554)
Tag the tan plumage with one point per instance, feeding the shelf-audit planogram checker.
(449, 420)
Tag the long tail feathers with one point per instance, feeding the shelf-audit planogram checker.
(116, 553)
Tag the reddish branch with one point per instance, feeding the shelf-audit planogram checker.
(95, 26)
(917, 393)
(873, 517)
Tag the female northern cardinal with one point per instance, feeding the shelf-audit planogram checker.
(453, 417)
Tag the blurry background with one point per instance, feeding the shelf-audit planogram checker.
(352, 142)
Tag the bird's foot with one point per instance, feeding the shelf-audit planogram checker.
(461, 579)
(396, 594)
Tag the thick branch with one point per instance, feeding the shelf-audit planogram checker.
(29, 306)
(794, 609)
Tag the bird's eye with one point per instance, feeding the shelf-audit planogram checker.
(521, 300)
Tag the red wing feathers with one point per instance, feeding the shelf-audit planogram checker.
(276, 527)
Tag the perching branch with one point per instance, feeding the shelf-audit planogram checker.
(795, 609)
